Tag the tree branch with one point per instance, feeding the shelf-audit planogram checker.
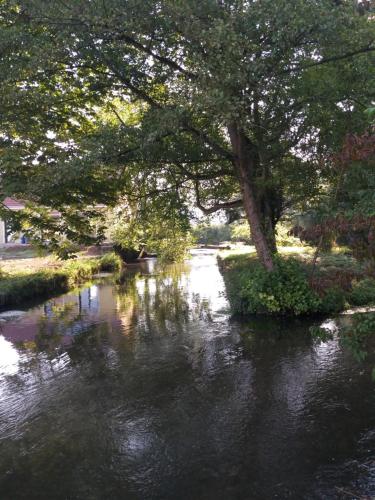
(218, 206)
(202, 177)
(327, 60)
(164, 60)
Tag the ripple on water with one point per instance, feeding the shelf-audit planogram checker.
(147, 389)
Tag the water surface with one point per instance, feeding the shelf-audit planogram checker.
(148, 389)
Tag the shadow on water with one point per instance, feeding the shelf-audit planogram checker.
(146, 388)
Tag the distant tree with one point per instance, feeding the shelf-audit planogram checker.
(212, 234)
(240, 231)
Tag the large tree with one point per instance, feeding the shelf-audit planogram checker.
(236, 102)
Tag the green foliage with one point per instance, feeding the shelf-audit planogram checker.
(80, 270)
(126, 230)
(363, 292)
(345, 212)
(83, 269)
(15, 289)
(102, 100)
(333, 300)
(322, 334)
(65, 249)
(172, 246)
(149, 227)
(354, 334)
(240, 231)
(339, 281)
(283, 239)
(212, 234)
(285, 290)
(110, 262)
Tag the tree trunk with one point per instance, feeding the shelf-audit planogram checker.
(269, 218)
(245, 163)
(264, 246)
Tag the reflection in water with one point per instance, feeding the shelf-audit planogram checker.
(146, 388)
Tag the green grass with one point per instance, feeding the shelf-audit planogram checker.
(18, 252)
(338, 260)
(17, 288)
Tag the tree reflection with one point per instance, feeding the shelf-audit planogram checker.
(160, 303)
(104, 323)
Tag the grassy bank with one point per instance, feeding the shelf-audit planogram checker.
(296, 287)
(17, 286)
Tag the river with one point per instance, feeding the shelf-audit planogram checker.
(148, 389)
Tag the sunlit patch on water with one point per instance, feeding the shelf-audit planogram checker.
(9, 357)
(330, 325)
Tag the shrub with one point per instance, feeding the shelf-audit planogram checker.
(80, 270)
(126, 254)
(240, 231)
(354, 335)
(284, 238)
(110, 262)
(333, 300)
(285, 290)
(173, 247)
(363, 292)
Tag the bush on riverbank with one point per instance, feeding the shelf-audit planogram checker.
(363, 292)
(16, 288)
(253, 290)
(289, 289)
(110, 262)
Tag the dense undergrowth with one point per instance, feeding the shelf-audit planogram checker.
(16, 288)
(296, 287)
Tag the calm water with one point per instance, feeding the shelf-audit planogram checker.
(149, 390)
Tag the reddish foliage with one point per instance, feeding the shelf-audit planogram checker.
(356, 148)
(357, 231)
(339, 224)
(339, 278)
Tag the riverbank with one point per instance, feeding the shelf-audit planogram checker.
(46, 276)
(297, 286)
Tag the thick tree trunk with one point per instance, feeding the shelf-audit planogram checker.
(268, 219)
(245, 166)
(263, 245)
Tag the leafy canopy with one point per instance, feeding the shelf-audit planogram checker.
(106, 99)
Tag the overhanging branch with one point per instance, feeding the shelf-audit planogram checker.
(217, 206)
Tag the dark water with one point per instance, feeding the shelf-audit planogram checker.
(148, 390)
